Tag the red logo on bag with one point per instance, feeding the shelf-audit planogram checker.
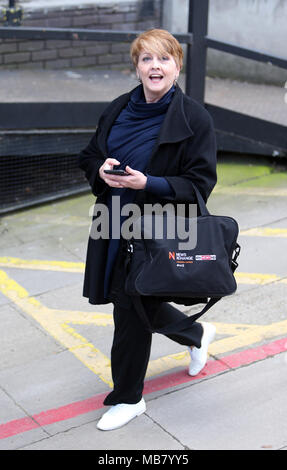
(171, 255)
(205, 257)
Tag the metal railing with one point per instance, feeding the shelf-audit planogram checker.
(236, 132)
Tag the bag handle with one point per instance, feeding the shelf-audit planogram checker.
(200, 201)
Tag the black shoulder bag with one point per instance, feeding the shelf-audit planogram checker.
(156, 267)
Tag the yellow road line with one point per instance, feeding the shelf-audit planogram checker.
(265, 232)
(256, 278)
(46, 265)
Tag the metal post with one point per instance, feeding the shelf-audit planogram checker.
(13, 14)
(197, 52)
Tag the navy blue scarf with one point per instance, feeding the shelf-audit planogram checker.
(135, 130)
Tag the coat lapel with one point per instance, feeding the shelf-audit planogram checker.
(175, 126)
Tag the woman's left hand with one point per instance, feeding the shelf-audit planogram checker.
(135, 180)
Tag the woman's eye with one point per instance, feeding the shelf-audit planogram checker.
(165, 58)
(145, 59)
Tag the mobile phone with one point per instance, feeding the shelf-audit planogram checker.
(116, 172)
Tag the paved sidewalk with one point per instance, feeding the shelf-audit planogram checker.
(55, 347)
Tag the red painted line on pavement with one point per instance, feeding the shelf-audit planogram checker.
(259, 353)
(51, 416)
(70, 411)
(178, 378)
(17, 426)
(233, 361)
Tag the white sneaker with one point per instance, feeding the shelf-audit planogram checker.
(199, 355)
(121, 414)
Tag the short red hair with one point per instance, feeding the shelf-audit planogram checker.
(158, 41)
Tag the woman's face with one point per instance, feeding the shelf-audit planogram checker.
(157, 73)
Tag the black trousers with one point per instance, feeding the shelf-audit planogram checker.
(131, 349)
(132, 341)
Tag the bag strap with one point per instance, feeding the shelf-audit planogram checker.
(200, 201)
(175, 327)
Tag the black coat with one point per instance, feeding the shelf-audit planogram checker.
(185, 154)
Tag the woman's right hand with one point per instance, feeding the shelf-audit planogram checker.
(108, 165)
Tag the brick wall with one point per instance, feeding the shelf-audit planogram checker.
(58, 54)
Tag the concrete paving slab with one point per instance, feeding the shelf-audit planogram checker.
(21, 338)
(6, 237)
(60, 231)
(9, 410)
(3, 299)
(19, 440)
(50, 382)
(279, 223)
(37, 282)
(250, 210)
(70, 298)
(264, 256)
(23, 231)
(204, 416)
(56, 212)
(265, 304)
(257, 183)
(88, 437)
(45, 248)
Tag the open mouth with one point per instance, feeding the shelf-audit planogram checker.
(155, 77)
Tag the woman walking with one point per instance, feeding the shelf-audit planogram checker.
(165, 141)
